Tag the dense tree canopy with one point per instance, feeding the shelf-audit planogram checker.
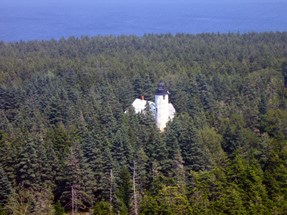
(66, 143)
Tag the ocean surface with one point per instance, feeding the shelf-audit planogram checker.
(43, 19)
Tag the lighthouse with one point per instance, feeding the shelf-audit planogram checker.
(161, 109)
(162, 106)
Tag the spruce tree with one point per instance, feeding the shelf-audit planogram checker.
(79, 186)
(5, 188)
(121, 148)
(124, 191)
(8, 159)
(60, 140)
(177, 171)
(28, 170)
(96, 150)
(192, 149)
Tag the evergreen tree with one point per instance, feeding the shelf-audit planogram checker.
(230, 201)
(263, 105)
(205, 95)
(108, 121)
(7, 157)
(176, 161)
(233, 139)
(124, 191)
(172, 201)
(28, 171)
(97, 153)
(212, 141)
(275, 179)
(121, 149)
(60, 140)
(54, 111)
(8, 99)
(229, 93)
(157, 162)
(197, 194)
(54, 168)
(192, 150)
(3, 147)
(284, 71)
(79, 187)
(5, 187)
(255, 192)
(46, 175)
(140, 158)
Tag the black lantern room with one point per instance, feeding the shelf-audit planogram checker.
(161, 90)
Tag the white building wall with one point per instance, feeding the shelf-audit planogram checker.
(162, 111)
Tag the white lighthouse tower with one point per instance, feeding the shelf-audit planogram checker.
(162, 107)
(162, 110)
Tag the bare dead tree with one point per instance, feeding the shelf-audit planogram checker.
(73, 199)
(135, 198)
(111, 190)
(78, 198)
(74, 196)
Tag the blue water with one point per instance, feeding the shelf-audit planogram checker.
(43, 19)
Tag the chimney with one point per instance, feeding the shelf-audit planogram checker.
(142, 97)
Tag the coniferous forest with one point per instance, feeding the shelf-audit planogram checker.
(66, 145)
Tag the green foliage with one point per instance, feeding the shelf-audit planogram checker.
(30, 201)
(149, 206)
(59, 209)
(193, 151)
(3, 211)
(5, 187)
(212, 141)
(284, 71)
(63, 125)
(79, 184)
(60, 141)
(28, 168)
(124, 189)
(102, 208)
(172, 201)
(275, 123)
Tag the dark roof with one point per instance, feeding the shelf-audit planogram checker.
(161, 90)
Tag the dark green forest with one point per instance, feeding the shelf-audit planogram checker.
(66, 145)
